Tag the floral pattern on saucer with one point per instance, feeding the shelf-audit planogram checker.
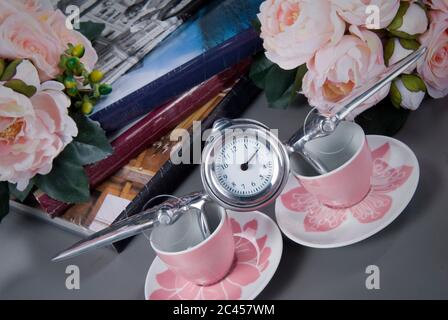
(378, 202)
(251, 260)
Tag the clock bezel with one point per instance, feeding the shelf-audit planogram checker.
(227, 199)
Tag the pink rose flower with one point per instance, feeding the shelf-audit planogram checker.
(23, 37)
(57, 22)
(8, 7)
(356, 12)
(434, 69)
(40, 37)
(291, 32)
(338, 69)
(438, 4)
(35, 5)
(33, 132)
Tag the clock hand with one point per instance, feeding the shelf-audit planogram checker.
(245, 166)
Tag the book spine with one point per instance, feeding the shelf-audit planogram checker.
(147, 131)
(212, 62)
(170, 175)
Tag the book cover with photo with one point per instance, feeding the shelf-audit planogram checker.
(218, 37)
(130, 28)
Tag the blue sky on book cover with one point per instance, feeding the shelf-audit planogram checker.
(218, 22)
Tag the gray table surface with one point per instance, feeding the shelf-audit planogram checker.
(412, 253)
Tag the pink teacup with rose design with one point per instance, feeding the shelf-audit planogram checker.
(182, 248)
(347, 156)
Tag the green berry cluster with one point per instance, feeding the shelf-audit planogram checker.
(83, 87)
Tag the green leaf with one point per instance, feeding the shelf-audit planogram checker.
(413, 82)
(395, 95)
(409, 44)
(91, 145)
(21, 195)
(4, 200)
(256, 24)
(67, 181)
(280, 86)
(21, 87)
(260, 69)
(10, 70)
(389, 49)
(284, 101)
(293, 91)
(301, 71)
(404, 35)
(91, 30)
(383, 119)
(2, 67)
(398, 20)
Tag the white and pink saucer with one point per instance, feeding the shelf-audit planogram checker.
(305, 220)
(259, 247)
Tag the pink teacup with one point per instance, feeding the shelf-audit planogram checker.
(347, 156)
(182, 248)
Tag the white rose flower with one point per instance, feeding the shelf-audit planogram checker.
(408, 91)
(397, 49)
(410, 22)
(359, 12)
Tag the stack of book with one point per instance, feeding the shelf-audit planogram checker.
(198, 73)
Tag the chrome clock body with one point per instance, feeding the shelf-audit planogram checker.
(245, 166)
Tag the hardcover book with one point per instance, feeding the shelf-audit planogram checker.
(148, 130)
(110, 198)
(130, 29)
(219, 36)
(126, 190)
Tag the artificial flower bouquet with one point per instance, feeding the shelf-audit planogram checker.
(325, 49)
(48, 86)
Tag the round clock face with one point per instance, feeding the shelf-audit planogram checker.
(245, 165)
